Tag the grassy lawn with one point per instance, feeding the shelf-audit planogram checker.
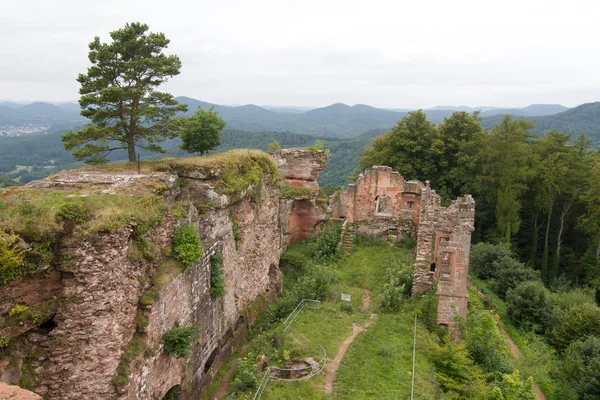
(536, 354)
(378, 363)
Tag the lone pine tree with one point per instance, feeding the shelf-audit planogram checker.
(119, 96)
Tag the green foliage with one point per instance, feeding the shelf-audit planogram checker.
(178, 341)
(246, 376)
(202, 131)
(574, 323)
(12, 258)
(118, 95)
(346, 306)
(4, 341)
(131, 351)
(217, 283)
(325, 246)
(512, 387)
(74, 211)
(529, 305)
(290, 192)
(274, 146)
(483, 256)
(509, 273)
(579, 371)
(455, 372)
(235, 231)
(186, 245)
(315, 283)
(240, 174)
(486, 346)
(396, 289)
(175, 393)
(17, 310)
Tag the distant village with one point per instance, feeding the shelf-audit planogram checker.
(22, 130)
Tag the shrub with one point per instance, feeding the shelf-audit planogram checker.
(178, 341)
(4, 341)
(397, 287)
(274, 146)
(574, 323)
(186, 245)
(529, 305)
(483, 256)
(486, 346)
(74, 211)
(509, 273)
(580, 369)
(513, 387)
(409, 242)
(346, 306)
(326, 245)
(315, 283)
(455, 371)
(12, 258)
(17, 310)
(246, 376)
(217, 284)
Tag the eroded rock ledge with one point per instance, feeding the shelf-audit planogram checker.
(94, 285)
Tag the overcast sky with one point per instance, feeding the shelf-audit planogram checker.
(397, 53)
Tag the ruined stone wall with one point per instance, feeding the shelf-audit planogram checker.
(381, 203)
(443, 250)
(247, 267)
(299, 211)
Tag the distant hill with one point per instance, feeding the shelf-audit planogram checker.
(38, 113)
(340, 120)
(584, 118)
(529, 111)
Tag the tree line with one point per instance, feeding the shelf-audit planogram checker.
(539, 196)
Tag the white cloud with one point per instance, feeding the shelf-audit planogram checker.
(317, 52)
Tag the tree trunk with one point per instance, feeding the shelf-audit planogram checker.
(131, 148)
(534, 243)
(544, 267)
(131, 134)
(565, 211)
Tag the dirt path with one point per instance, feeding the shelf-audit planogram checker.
(334, 365)
(221, 391)
(516, 353)
(366, 299)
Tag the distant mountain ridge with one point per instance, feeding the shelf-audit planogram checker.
(584, 118)
(335, 120)
(38, 113)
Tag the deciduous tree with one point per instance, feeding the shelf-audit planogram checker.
(202, 131)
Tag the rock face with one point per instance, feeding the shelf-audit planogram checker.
(101, 335)
(10, 392)
(299, 212)
(383, 203)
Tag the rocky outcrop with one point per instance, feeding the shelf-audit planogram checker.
(97, 310)
(10, 392)
(300, 212)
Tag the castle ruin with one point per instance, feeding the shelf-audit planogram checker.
(384, 204)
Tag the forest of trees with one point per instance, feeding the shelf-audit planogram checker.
(539, 196)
